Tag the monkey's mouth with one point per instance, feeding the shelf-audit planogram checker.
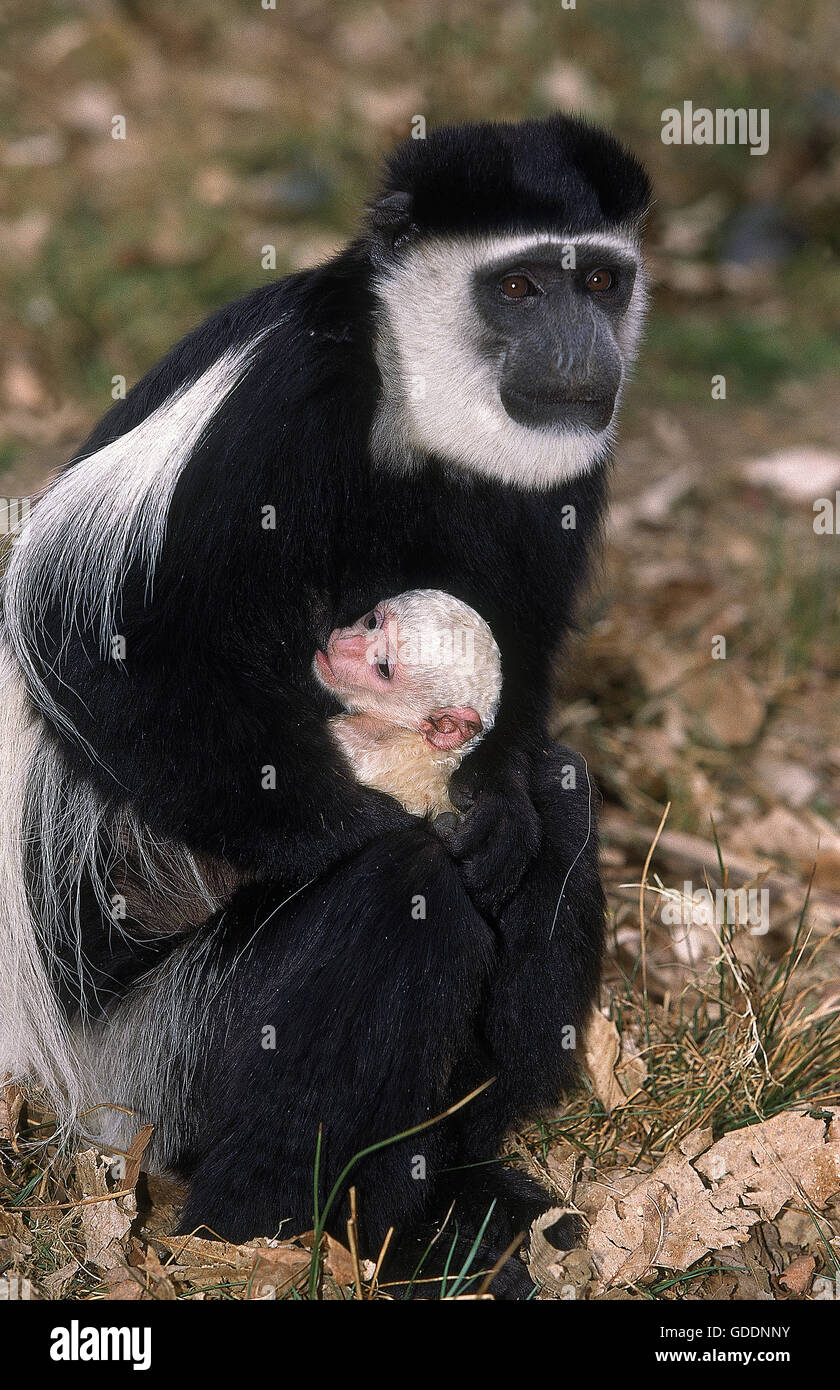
(325, 670)
(555, 409)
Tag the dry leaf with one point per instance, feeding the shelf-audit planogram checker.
(56, 1282)
(151, 1276)
(594, 1189)
(720, 1287)
(616, 1074)
(563, 1273)
(11, 1104)
(754, 1278)
(798, 1274)
(601, 1054)
(767, 1164)
(262, 1266)
(134, 1155)
(275, 1272)
(123, 1287)
(631, 1070)
(671, 1219)
(194, 1252)
(15, 1238)
(338, 1262)
(104, 1223)
(561, 1161)
(696, 1141)
(796, 1228)
(667, 1220)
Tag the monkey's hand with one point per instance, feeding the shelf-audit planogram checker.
(500, 831)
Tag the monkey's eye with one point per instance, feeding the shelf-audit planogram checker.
(384, 669)
(371, 622)
(599, 280)
(517, 286)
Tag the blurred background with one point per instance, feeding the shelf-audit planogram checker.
(249, 127)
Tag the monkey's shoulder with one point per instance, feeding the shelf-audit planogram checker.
(303, 334)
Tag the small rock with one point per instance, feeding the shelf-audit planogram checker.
(33, 151)
(728, 706)
(569, 86)
(89, 109)
(22, 387)
(800, 474)
(297, 193)
(792, 782)
(758, 235)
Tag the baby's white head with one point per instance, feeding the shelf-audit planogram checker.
(422, 660)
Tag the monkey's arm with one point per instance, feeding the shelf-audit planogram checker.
(550, 939)
(500, 832)
(211, 748)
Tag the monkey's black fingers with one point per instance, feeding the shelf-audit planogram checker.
(463, 794)
(445, 827)
(494, 844)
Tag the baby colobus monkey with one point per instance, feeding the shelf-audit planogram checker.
(420, 678)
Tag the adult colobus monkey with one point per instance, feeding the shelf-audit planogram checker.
(188, 863)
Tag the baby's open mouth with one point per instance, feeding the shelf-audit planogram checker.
(324, 667)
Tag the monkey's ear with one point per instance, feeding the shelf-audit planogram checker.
(390, 218)
(451, 727)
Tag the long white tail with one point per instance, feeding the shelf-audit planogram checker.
(35, 1040)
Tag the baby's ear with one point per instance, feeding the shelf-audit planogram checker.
(451, 727)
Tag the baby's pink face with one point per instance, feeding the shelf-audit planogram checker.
(362, 660)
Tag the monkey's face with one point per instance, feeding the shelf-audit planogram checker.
(550, 322)
(364, 667)
(507, 355)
